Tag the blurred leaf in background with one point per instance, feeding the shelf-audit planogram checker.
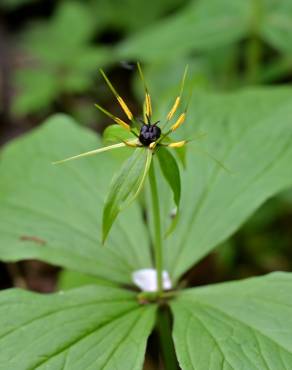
(235, 36)
(129, 16)
(60, 58)
(201, 26)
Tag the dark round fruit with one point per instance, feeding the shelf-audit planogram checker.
(149, 134)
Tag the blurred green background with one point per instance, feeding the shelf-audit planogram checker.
(50, 52)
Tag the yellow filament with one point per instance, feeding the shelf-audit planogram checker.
(177, 144)
(148, 105)
(122, 123)
(174, 108)
(120, 100)
(179, 122)
(125, 108)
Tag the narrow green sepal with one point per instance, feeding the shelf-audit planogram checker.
(125, 187)
(170, 171)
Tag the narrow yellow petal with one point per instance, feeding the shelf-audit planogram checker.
(110, 85)
(178, 99)
(177, 144)
(119, 99)
(114, 118)
(179, 122)
(148, 106)
(125, 108)
(122, 123)
(92, 152)
(174, 108)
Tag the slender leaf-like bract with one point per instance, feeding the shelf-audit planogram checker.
(170, 171)
(91, 152)
(95, 151)
(125, 187)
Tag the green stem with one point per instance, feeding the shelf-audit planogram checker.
(254, 47)
(253, 59)
(165, 339)
(157, 228)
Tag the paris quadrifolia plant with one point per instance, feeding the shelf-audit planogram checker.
(151, 142)
(138, 281)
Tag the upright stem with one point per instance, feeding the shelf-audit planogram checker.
(254, 45)
(165, 338)
(157, 228)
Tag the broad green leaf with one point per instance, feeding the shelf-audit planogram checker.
(115, 133)
(54, 213)
(251, 133)
(125, 187)
(170, 170)
(200, 26)
(238, 325)
(68, 279)
(96, 327)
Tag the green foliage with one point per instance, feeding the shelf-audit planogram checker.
(55, 214)
(251, 133)
(276, 24)
(170, 170)
(115, 134)
(201, 26)
(205, 25)
(69, 279)
(92, 327)
(125, 187)
(61, 56)
(131, 15)
(62, 205)
(238, 325)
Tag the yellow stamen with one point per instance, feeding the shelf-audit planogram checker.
(125, 108)
(174, 108)
(178, 99)
(122, 123)
(177, 144)
(119, 99)
(179, 122)
(114, 118)
(148, 106)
